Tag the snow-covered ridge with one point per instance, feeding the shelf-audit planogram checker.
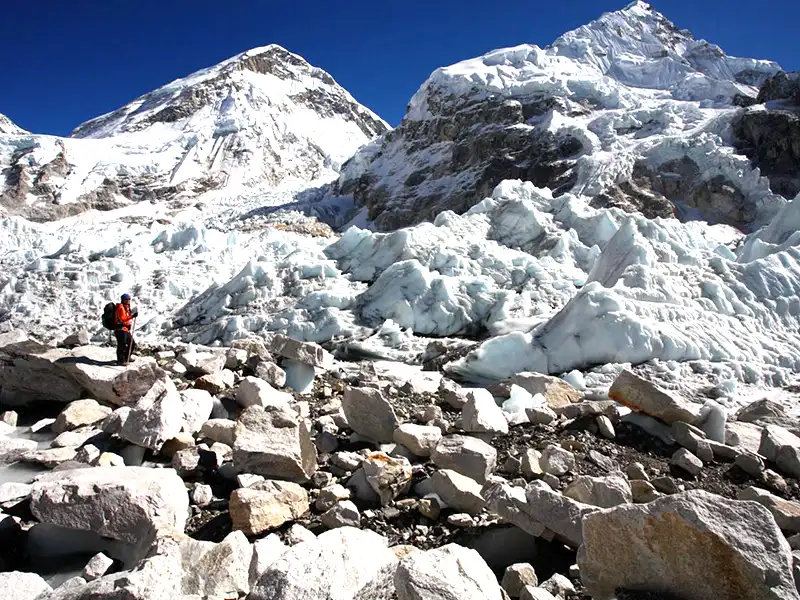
(259, 120)
(605, 111)
(8, 127)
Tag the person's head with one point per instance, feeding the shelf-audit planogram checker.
(126, 298)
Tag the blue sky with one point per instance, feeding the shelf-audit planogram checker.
(65, 61)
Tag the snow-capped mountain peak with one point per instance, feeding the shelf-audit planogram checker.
(260, 120)
(8, 127)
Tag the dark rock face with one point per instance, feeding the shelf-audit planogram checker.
(677, 189)
(781, 86)
(456, 158)
(771, 140)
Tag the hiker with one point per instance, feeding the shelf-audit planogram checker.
(123, 319)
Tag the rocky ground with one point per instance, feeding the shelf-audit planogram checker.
(268, 470)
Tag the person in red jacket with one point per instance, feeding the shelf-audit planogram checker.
(124, 317)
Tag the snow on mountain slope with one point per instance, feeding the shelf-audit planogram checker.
(261, 119)
(609, 110)
(8, 127)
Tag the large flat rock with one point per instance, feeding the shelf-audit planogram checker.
(122, 503)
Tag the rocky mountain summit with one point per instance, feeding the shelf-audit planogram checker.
(8, 127)
(629, 110)
(268, 470)
(261, 119)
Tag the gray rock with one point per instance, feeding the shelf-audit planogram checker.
(531, 463)
(218, 430)
(257, 392)
(481, 414)
(466, 455)
(271, 373)
(704, 451)
(451, 572)
(267, 505)
(79, 414)
(97, 566)
(557, 392)
(452, 393)
(420, 439)
(265, 552)
(23, 586)
(202, 495)
(786, 512)
(297, 534)
(752, 464)
(123, 503)
(388, 477)
(274, 444)
(304, 352)
(12, 493)
(605, 492)
(203, 363)
(665, 485)
(687, 435)
(457, 491)
(340, 563)
(156, 418)
(788, 460)
(606, 427)
(216, 383)
(537, 508)
(541, 415)
(197, 407)
(687, 461)
(75, 438)
(517, 576)
(535, 593)
(694, 545)
(552, 481)
(370, 414)
(12, 449)
(82, 337)
(9, 417)
(559, 586)
(50, 458)
(637, 471)
(759, 409)
(637, 393)
(643, 491)
(747, 436)
(773, 438)
(723, 452)
(557, 461)
(330, 496)
(342, 514)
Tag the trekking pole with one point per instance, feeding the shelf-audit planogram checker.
(130, 346)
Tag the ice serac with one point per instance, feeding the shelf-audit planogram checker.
(602, 111)
(259, 118)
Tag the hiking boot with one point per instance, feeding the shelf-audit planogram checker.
(132, 359)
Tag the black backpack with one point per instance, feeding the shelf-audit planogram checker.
(110, 316)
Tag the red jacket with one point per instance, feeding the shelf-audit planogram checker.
(123, 317)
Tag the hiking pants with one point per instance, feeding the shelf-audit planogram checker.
(125, 345)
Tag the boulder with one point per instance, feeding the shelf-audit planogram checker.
(156, 418)
(536, 508)
(370, 414)
(687, 461)
(531, 463)
(216, 383)
(271, 373)
(275, 444)
(76, 438)
(257, 392)
(81, 337)
(12, 449)
(481, 414)
(457, 491)
(451, 572)
(197, 407)
(330, 496)
(643, 491)
(420, 439)
(746, 436)
(218, 430)
(466, 455)
(23, 586)
(94, 369)
(342, 514)
(265, 552)
(202, 363)
(694, 545)
(755, 411)
(123, 503)
(343, 563)
(388, 477)
(304, 352)
(97, 566)
(605, 492)
(80, 413)
(641, 395)
(557, 392)
(785, 512)
(517, 576)
(29, 371)
(452, 393)
(12, 493)
(267, 505)
(556, 460)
